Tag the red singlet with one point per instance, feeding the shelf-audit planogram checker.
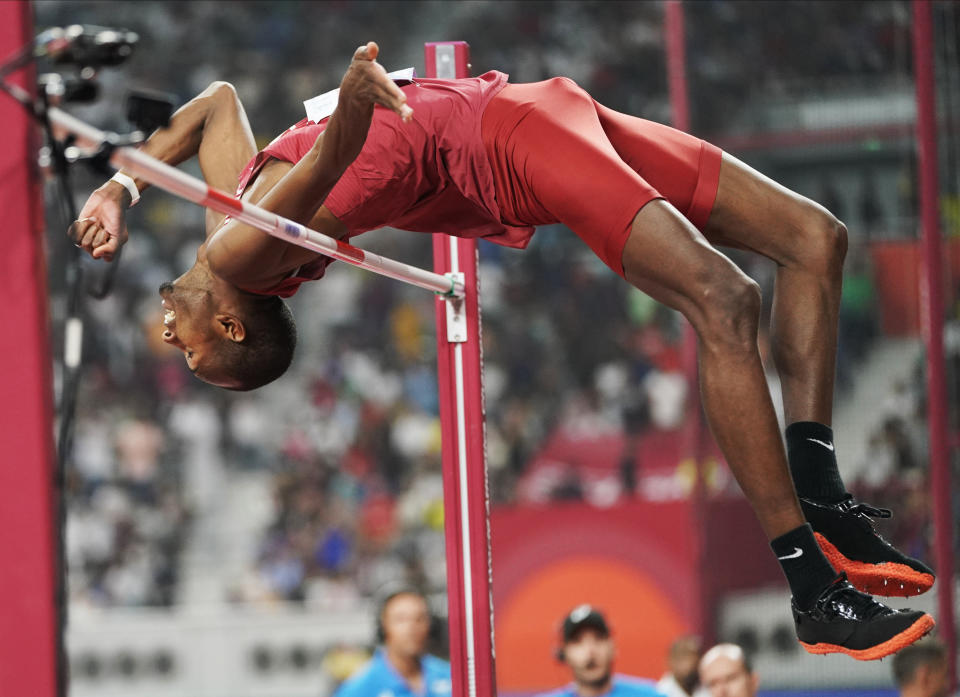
(485, 159)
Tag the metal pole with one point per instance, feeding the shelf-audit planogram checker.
(466, 498)
(932, 317)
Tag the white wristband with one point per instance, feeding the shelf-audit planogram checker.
(129, 185)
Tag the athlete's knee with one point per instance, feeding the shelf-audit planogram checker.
(824, 240)
(830, 239)
(730, 314)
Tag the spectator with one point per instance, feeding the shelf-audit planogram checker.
(587, 648)
(681, 678)
(725, 671)
(922, 670)
(402, 665)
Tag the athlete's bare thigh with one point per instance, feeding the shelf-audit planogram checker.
(754, 212)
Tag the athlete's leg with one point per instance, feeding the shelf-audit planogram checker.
(667, 258)
(736, 206)
(553, 160)
(568, 169)
(808, 244)
(800, 236)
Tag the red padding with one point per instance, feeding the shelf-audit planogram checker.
(27, 616)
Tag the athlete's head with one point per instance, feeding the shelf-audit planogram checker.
(404, 624)
(587, 647)
(725, 671)
(922, 670)
(682, 662)
(229, 338)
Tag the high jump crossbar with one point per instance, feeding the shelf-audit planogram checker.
(186, 186)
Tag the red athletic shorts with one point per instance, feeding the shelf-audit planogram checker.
(559, 156)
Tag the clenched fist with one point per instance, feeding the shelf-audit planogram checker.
(101, 228)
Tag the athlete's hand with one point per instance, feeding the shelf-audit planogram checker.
(101, 229)
(366, 83)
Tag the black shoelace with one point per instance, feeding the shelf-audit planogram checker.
(853, 506)
(843, 599)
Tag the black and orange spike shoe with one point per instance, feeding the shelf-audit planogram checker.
(850, 543)
(844, 620)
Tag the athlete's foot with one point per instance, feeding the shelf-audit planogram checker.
(844, 620)
(852, 545)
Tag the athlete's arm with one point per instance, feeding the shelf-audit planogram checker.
(248, 257)
(213, 126)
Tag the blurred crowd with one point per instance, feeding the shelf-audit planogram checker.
(127, 520)
(896, 472)
(860, 46)
(351, 436)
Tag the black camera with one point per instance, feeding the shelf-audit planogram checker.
(87, 46)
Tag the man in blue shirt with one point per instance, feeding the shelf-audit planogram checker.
(401, 666)
(587, 648)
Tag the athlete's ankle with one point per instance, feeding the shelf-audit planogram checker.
(813, 462)
(808, 572)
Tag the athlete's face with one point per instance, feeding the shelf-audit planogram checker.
(590, 654)
(725, 676)
(187, 309)
(406, 623)
(195, 323)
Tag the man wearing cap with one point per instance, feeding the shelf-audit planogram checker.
(587, 648)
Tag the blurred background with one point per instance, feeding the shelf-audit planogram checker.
(232, 544)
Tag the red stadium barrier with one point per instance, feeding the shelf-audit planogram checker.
(28, 664)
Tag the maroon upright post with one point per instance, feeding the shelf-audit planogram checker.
(465, 487)
(28, 620)
(932, 317)
(675, 38)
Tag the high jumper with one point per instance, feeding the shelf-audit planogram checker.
(482, 157)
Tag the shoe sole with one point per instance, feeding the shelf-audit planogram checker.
(909, 635)
(888, 578)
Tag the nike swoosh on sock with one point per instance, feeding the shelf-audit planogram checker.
(797, 552)
(828, 446)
